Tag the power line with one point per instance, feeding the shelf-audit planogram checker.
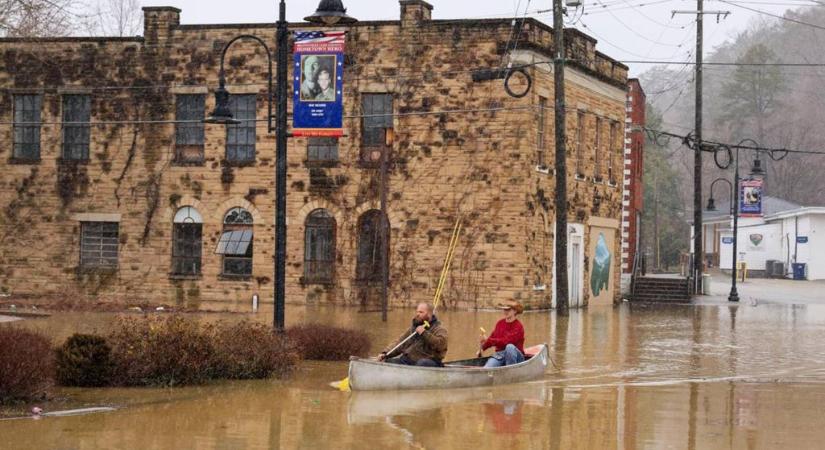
(775, 153)
(774, 15)
(724, 63)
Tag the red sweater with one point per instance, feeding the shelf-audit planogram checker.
(506, 333)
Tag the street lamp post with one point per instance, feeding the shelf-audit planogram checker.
(756, 170)
(329, 12)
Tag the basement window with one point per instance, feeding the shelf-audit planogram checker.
(98, 245)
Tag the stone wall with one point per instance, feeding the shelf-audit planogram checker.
(462, 149)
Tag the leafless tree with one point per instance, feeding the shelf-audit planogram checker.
(114, 18)
(36, 18)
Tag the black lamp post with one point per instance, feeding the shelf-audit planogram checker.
(756, 171)
(329, 12)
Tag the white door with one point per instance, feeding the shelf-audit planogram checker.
(575, 275)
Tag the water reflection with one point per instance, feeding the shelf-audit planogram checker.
(635, 377)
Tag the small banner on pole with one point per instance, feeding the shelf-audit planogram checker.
(317, 102)
(750, 198)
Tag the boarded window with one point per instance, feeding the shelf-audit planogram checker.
(322, 151)
(597, 151)
(240, 138)
(377, 109)
(580, 144)
(77, 112)
(236, 243)
(189, 113)
(372, 246)
(98, 245)
(319, 247)
(614, 152)
(187, 242)
(541, 145)
(27, 126)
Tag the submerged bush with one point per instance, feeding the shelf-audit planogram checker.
(170, 351)
(248, 350)
(26, 365)
(161, 351)
(84, 360)
(328, 343)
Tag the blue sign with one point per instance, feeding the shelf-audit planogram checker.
(802, 239)
(727, 240)
(750, 198)
(318, 83)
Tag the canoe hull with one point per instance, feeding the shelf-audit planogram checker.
(369, 375)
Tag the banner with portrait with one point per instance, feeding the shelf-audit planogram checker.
(750, 198)
(317, 102)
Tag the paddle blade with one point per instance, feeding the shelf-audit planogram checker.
(342, 385)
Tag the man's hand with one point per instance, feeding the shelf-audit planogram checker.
(382, 357)
(421, 329)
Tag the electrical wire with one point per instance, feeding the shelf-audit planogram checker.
(788, 19)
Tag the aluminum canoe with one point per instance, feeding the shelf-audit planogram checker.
(371, 375)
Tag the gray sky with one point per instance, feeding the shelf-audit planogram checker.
(625, 29)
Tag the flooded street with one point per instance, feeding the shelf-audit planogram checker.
(633, 377)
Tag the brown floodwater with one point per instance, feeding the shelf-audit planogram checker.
(631, 377)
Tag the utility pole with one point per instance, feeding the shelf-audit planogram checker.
(561, 159)
(698, 247)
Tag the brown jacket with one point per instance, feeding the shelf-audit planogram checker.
(431, 344)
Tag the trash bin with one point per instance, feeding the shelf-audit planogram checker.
(799, 271)
(706, 284)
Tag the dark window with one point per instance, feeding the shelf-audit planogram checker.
(377, 109)
(322, 150)
(236, 242)
(540, 135)
(77, 112)
(189, 109)
(597, 151)
(319, 247)
(372, 247)
(98, 245)
(580, 144)
(240, 138)
(27, 127)
(187, 233)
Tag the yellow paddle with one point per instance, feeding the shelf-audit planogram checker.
(483, 332)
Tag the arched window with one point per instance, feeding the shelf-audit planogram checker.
(187, 242)
(319, 247)
(373, 246)
(236, 243)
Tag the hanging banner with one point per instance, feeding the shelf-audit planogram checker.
(317, 102)
(750, 198)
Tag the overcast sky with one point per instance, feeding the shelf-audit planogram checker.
(625, 29)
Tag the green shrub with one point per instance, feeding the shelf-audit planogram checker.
(248, 350)
(84, 360)
(328, 343)
(26, 365)
(161, 351)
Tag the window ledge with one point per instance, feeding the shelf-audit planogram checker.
(612, 183)
(101, 270)
(23, 161)
(69, 162)
(312, 280)
(173, 276)
(368, 164)
(231, 163)
(321, 164)
(598, 180)
(544, 169)
(189, 163)
(580, 177)
(231, 277)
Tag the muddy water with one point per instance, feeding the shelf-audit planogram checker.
(682, 377)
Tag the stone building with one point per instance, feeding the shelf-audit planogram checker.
(114, 188)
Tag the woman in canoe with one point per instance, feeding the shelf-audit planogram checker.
(507, 337)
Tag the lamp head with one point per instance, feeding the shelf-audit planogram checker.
(711, 205)
(222, 114)
(757, 171)
(331, 12)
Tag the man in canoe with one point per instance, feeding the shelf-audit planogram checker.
(507, 337)
(427, 348)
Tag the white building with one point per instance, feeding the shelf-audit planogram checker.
(787, 233)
